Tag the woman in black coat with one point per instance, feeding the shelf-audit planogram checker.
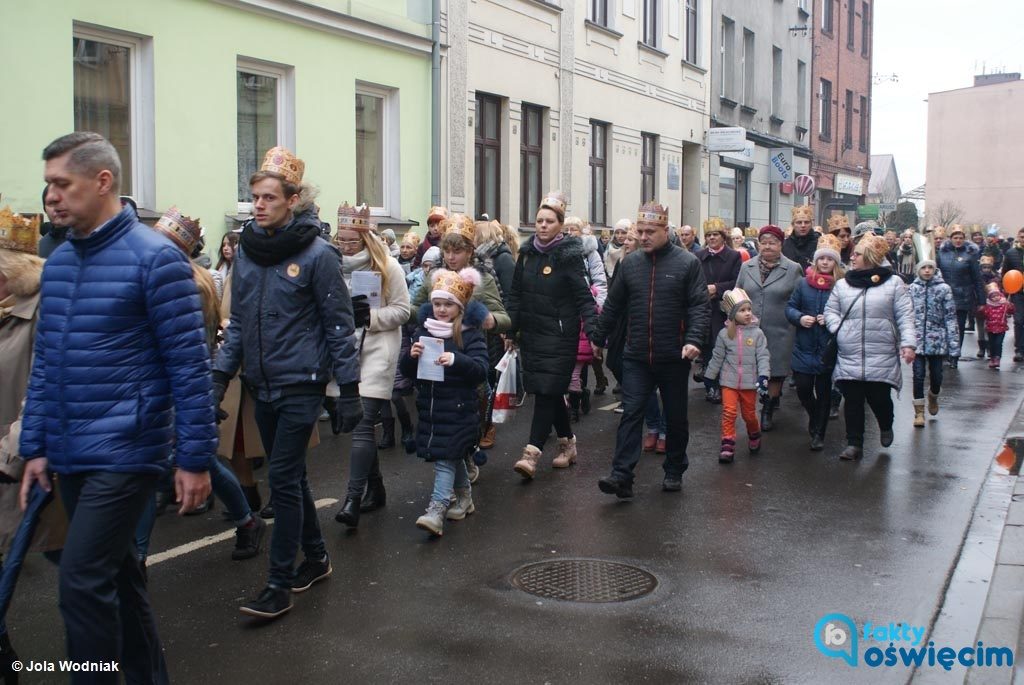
(549, 294)
(721, 265)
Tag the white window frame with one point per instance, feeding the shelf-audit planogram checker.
(285, 76)
(612, 14)
(143, 171)
(392, 146)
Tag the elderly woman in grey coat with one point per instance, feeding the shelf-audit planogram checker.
(769, 279)
(878, 329)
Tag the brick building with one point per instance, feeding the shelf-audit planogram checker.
(841, 107)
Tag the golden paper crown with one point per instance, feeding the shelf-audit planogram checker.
(183, 230)
(837, 222)
(459, 284)
(281, 161)
(459, 224)
(555, 200)
(653, 214)
(18, 233)
(437, 213)
(830, 242)
(354, 218)
(714, 223)
(802, 213)
(732, 299)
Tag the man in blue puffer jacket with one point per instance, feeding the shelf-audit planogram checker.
(292, 329)
(121, 373)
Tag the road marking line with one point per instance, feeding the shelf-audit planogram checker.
(610, 407)
(199, 544)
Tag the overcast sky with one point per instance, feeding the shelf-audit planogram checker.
(934, 45)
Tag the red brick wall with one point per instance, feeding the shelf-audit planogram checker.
(846, 69)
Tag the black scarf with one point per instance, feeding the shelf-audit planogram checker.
(868, 278)
(268, 250)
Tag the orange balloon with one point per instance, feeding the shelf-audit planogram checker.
(1013, 281)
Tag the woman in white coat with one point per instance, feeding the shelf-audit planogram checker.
(380, 336)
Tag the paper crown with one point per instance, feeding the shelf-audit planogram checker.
(459, 224)
(457, 287)
(802, 213)
(437, 213)
(281, 161)
(555, 200)
(18, 233)
(732, 299)
(354, 218)
(875, 248)
(837, 222)
(714, 223)
(183, 230)
(829, 245)
(653, 214)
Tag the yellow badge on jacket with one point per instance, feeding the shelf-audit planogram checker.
(546, 271)
(293, 270)
(750, 342)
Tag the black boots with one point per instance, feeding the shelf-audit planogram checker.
(387, 434)
(768, 408)
(375, 496)
(574, 405)
(585, 401)
(349, 512)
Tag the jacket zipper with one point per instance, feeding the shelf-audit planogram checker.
(924, 337)
(430, 438)
(650, 311)
(739, 369)
(64, 346)
(259, 326)
(864, 337)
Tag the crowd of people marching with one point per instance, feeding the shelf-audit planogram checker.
(127, 354)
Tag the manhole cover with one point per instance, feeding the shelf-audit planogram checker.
(584, 580)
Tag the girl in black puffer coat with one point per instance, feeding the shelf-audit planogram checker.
(448, 429)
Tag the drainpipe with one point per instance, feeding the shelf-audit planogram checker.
(435, 106)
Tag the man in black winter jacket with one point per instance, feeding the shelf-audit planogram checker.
(1013, 259)
(802, 242)
(661, 291)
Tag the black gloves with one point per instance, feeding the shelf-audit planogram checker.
(220, 386)
(350, 409)
(361, 311)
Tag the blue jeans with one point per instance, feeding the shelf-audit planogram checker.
(103, 598)
(932, 364)
(995, 344)
(639, 381)
(448, 475)
(285, 426)
(225, 486)
(653, 417)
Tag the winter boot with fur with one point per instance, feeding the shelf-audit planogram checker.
(933, 403)
(919, 413)
(527, 464)
(566, 453)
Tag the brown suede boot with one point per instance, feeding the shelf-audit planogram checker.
(566, 453)
(919, 413)
(527, 464)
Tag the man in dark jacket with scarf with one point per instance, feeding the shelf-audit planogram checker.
(662, 291)
(292, 328)
(802, 242)
(958, 261)
(121, 373)
(1013, 260)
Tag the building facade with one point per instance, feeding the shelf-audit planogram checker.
(761, 75)
(975, 146)
(192, 93)
(605, 100)
(841, 106)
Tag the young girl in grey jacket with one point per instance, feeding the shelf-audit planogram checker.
(741, 364)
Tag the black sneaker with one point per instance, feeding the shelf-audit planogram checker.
(271, 603)
(672, 484)
(310, 572)
(1018, 357)
(248, 539)
(885, 437)
(267, 512)
(614, 486)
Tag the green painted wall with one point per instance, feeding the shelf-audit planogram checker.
(196, 44)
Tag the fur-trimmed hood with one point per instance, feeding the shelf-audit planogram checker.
(567, 250)
(589, 244)
(473, 316)
(22, 271)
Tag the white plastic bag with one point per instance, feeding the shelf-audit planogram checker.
(505, 399)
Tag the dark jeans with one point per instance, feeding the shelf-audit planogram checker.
(1018, 322)
(856, 394)
(548, 411)
(961, 322)
(401, 411)
(815, 393)
(639, 380)
(932, 363)
(225, 486)
(103, 598)
(285, 426)
(995, 344)
(364, 462)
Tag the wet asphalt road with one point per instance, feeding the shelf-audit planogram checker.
(748, 558)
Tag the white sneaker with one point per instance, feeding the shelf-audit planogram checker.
(463, 505)
(433, 520)
(324, 416)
